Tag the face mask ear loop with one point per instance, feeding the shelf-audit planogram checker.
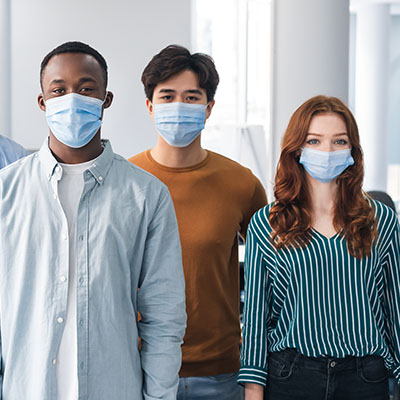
(105, 97)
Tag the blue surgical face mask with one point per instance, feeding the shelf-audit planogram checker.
(325, 165)
(179, 123)
(73, 118)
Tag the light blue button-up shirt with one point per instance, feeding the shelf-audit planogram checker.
(128, 259)
(10, 151)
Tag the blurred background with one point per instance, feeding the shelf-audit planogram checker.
(271, 57)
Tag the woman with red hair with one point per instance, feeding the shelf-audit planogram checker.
(322, 304)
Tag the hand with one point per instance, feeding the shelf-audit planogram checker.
(252, 391)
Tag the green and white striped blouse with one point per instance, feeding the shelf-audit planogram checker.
(319, 299)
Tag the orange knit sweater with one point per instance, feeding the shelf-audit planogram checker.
(213, 201)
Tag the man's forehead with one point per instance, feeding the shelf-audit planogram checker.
(66, 62)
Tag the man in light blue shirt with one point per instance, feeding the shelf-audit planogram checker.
(10, 151)
(87, 240)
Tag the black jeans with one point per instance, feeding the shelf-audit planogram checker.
(292, 376)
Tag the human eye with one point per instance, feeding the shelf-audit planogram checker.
(312, 141)
(192, 98)
(86, 90)
(58, 91)
(166, 97)
(341, 142)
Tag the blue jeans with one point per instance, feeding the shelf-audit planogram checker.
(220, 387)
(294, 376)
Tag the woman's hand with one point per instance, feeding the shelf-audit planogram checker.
(252, 391)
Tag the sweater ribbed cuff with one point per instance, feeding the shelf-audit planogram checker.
(251, 374)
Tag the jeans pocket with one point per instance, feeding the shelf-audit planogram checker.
(280, 369)
(372, 369)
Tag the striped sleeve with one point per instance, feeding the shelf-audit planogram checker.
(389, 233)
(254, 347)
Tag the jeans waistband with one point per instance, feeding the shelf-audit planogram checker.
(322, 363)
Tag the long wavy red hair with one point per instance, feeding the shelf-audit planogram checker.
(290, 216)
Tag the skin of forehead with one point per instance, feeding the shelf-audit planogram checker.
(327, 123)
(72, 66)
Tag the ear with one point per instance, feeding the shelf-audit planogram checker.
(109, 99)
(209, 108)
(41, 102)
(150, 107)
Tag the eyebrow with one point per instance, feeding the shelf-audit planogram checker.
(193, 91)
(82, 80)
(336, 134)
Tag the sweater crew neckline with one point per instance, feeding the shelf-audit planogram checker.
(177, 169)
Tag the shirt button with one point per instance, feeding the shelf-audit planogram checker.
(63, 278)
(54, 360)
(81, 280)
(332, 364)
(81, 322)
(100, 178)
(65, 237)
(60, 320)
(55, 196)
(80, 237)
(58, 169)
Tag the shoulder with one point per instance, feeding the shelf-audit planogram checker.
(260, 220)
(135, 170)
(228, 165)
(384, 215)
(21, 166)
(10, 150)
(139, 177)
(13, 177)
(234, 173)
(386, 218)
(139, 159)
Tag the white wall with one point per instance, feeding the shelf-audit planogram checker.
(394, 93)
(311, 53)
(126, 32)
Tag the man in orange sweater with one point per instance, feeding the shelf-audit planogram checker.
(214, 199)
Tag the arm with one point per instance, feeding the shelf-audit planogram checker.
(254, 347)
(161, 303)
(257, 201)
(252, 391)
(391, 271)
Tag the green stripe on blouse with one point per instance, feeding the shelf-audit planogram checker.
(319, 299)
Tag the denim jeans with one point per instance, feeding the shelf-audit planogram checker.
(294, 376)
(218, 387)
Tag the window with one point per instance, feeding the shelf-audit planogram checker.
(237, 34)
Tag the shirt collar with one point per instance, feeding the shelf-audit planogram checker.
(99, 169)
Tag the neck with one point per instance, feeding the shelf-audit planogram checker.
(323, 196)
(70, 155)
(178, 157)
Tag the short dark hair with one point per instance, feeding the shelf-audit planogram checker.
(174, 59)
(76, 47)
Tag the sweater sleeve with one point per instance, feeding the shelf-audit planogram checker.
(390, 246)
(254, 347)
(257, 201)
